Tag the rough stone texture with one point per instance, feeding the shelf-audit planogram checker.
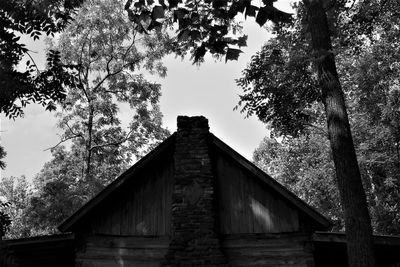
(194, 239)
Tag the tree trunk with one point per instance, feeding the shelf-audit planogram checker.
(360, 248)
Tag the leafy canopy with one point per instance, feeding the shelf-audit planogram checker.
(114, 62)
(203, 26)
(20, 87)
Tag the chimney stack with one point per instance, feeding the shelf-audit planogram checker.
(194, 237)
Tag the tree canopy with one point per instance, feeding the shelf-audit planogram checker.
(20, 87)
(95, 147)
(363, 37)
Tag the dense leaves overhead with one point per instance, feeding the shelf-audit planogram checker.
(203, 26)
(18, 86)
(268, 93)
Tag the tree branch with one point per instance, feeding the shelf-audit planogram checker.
(60, 142)
(114, 143)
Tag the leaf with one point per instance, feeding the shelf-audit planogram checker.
(183, 35)
(219, 3)
(268, 2)
(219, 47)
(232, 54)
(233, 10)
(51, 106)
(242, 41)
(271, 13)
(195, 34)
(263, 15)
(251, 11)
(157, 13)
(154, 24)
(180, 13)
(173, 3)
(200, 52)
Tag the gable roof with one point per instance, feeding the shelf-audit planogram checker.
(272, 183)
(70, 223)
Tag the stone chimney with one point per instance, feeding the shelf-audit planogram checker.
(194, 231)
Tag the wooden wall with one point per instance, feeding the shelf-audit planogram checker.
(274, 250)
(247, 205)
(45, 251)
(131, 227)
(141, 207)
(122, 251)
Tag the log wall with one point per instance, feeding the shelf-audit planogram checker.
(57, 250)
(287, 250)
(121, 251)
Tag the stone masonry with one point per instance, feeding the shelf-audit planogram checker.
(194, 238)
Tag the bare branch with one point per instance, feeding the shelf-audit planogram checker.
(61, 141)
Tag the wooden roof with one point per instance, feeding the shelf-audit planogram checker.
(77, 218)
(69, 224)
(34, 241)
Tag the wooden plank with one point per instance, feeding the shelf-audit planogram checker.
(239, 160)
(74, 220)
(139, 209)
(116, 263)
(250, 206)
(272, 250)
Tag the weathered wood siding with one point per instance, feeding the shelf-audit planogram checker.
(46, 251)
(142, 207)
(247, 205)
(274, 250)
(122, 251)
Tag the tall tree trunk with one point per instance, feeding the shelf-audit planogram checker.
(357, 220)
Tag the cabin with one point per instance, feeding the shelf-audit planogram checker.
(192, 201)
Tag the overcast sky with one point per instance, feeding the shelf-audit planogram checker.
(207, 90)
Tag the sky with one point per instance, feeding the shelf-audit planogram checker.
(208, 90)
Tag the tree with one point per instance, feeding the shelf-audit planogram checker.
(303, 164)
(32, 18)
(354, 25)
(5, 219)
(204, 25)
(110, 53)
(16, 191)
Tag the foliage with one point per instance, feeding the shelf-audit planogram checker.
(367, 67)
(101, 40)
(3, 154)
(304, 165)
(203, 26)
(5, 219)
(17, 193)
(58, 192)
(268, 93)
(32, 18)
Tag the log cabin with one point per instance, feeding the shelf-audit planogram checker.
(192, 201)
